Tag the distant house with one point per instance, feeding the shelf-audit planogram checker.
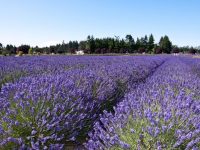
(175, 54)
(80, 52)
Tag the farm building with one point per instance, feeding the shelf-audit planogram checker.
(80, 52)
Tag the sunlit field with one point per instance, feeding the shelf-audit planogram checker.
(100, 102)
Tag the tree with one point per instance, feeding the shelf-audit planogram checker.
(192, 50)
(73, 46)
(137, 44)
(165, 44)
(145, 42)
(90, 46)
(30, 51)
(157, 49)
(122, 46)
(82, 45)
(141, 50)
(161, 41)
(23, 48)
(116, 44)
(13, 50)
(111, 45)
(61, 48)
(198, 49)
(46, 50)
(52, 49)
(8, 50)
(175, 49)
(151, 43)
(1, 48)
(130, 43)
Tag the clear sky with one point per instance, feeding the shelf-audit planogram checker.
(45, 22)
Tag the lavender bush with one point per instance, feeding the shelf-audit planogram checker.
(57, 99)
(162, 113)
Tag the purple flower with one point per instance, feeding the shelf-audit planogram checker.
(33, 132)
(132, 131)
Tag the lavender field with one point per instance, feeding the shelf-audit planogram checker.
(100, 102)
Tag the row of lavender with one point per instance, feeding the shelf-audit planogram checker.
(57, 99)
(14, 68)
(163, 113)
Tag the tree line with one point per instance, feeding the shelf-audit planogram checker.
(93, 45)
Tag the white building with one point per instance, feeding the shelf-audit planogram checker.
(80, 52)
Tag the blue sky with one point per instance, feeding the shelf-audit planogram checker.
(46, 22)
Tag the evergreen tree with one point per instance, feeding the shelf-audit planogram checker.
(90, 46)
(137, 44)
(144, 43)
(130, 43)
(165, 44)
(1, 48)
(61, 48)
(151, 43)
(82, 45)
